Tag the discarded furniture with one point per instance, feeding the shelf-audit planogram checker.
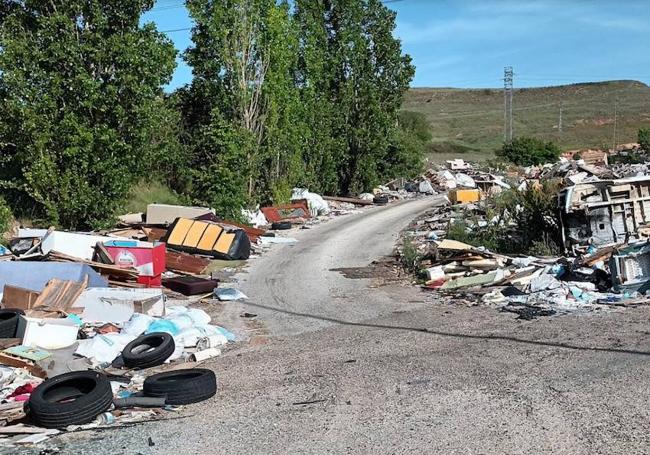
(606, 211)
(212, 239)
(630, 268)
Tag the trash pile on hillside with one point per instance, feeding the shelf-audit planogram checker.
(604, 227)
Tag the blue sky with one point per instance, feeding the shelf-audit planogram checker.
(466, 43)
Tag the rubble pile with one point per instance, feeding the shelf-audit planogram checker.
(604, 229)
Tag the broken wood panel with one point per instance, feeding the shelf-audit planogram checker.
(154, 233)
(18, 298)
(351, 200)
(184, 262)
(297, 209)
(60, 295)
(17, 362)
(104, 269)
(252, 232)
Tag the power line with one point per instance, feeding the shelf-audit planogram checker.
(176, 30)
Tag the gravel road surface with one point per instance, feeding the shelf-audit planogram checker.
(354, 368)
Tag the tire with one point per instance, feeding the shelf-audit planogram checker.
(9, 322)
(281, 226)
(380, 200)
(148, 350)
(73, 398)
(182, 386)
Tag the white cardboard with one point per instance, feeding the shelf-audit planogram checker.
(117, 305)
(72, 243)
(48, 333)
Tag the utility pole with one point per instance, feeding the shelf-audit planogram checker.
(615, 124)
(508, 77)
(559, 123)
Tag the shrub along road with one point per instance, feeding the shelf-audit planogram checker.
(398, 374)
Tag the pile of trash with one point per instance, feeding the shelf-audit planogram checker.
(607, 255)
(99, 329)
(102, 328)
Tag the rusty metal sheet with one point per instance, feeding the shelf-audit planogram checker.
(297, 209)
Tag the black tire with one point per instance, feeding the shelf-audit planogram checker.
(182, 386)
(380, 200)
(148, 350)
(281, 226)
(9, 322)
(73, 398)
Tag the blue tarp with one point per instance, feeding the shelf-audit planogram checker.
(35, 275)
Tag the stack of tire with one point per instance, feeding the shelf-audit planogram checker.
(78, 397)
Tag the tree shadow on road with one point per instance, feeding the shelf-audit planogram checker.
(450, 334)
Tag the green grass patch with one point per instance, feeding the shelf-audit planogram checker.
(145, 193)
(473, 118)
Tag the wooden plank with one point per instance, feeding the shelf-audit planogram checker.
(352, 200)
(184, 262)
(102, 254)
(22, 429)
(60, 295)
(19, 298)
(104, 269)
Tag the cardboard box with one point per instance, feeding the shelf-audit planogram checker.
(117, 305)
(146, 257)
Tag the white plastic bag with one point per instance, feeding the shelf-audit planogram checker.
(137, 324)
(104, 348)
(317, 205)
(227, 294)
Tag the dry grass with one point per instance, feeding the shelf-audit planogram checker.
(473, 118)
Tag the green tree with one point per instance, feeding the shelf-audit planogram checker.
(243, 93)
(81, 83)
(322, 147)
(409, 145)
(371, 75)
(644, 139)
(282, 166)
(528, 151)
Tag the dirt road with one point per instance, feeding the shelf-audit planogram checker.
(301, 278)
(397, 374)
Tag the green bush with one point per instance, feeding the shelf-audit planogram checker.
(529, 151)
(5, 217)
(527, 222)
(644, 139)
(410, 258)
(80, 116)
(145, 193)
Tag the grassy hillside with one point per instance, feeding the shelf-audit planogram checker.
(469, 122)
